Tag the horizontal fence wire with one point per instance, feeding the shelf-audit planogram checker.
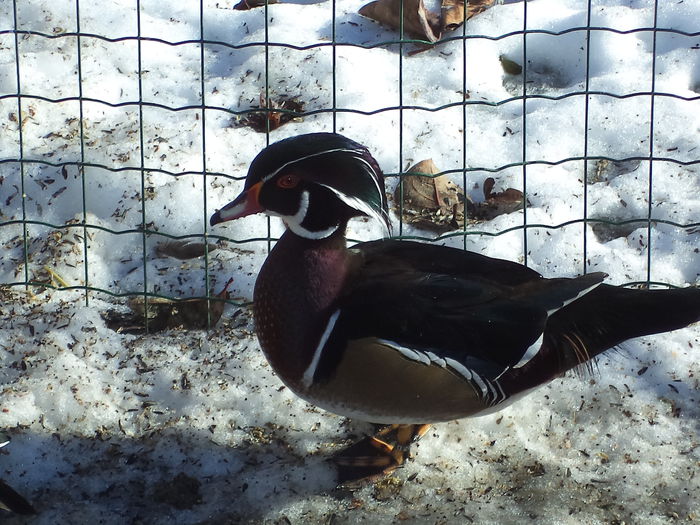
(17, 166)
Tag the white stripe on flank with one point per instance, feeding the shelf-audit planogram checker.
(409, 353)
(429, 358)
(502, 394)
(535, 347)
(308, 377)
(437, 360)
(530, 352)
(459, 367)
(579, 295)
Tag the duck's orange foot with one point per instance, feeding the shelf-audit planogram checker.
(374, 457)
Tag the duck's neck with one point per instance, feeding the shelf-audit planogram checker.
(295, 294)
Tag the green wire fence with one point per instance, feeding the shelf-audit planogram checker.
(18, 170)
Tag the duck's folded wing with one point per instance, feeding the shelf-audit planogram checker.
(484, 326)
(389, 254)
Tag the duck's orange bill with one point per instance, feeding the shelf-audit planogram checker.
(245, 204)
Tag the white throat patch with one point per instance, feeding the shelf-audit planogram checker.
(293, 222)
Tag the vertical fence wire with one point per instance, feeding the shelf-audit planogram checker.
(142, 164)
(205, 194)
(401, 53)
(268, 108)
(334, 66)
(524, 134)
(586, 124)
(652, 106)
(20, 136)
(465, 220)
(81, 169)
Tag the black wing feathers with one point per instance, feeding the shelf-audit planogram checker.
(487, 314)
(484, 313)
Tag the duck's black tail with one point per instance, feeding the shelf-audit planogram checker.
(609, 315)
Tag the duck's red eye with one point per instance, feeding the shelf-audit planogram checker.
(288, 181)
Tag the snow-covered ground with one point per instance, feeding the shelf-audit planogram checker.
(191, 426)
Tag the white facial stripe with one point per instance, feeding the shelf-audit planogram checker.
(370, 168)
(308, 377)
(317, 154)
(354, 153)
(499, 375)
(358, 204)
(293, 222)
(353, 202)
(300, 215)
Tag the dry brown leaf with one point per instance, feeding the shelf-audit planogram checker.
(495, 204)
(270, 119)
(418, 190)
(244, 5)
(478, 6)
(452, 12)
(506, 196)
(447, 193)
(418, 22)
(434, 203)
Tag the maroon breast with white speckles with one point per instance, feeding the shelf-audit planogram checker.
(294, 296)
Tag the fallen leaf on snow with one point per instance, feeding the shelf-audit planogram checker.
(269, 114)
(452, 12)
(418, 22)
(495, 204)
(244, 5)
(429, 201)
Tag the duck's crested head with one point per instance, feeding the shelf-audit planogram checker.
(314, 182)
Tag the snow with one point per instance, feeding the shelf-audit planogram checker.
(192, 426)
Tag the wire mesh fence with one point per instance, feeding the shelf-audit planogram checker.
(121, 134)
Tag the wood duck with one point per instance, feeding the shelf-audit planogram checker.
(406, 333)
